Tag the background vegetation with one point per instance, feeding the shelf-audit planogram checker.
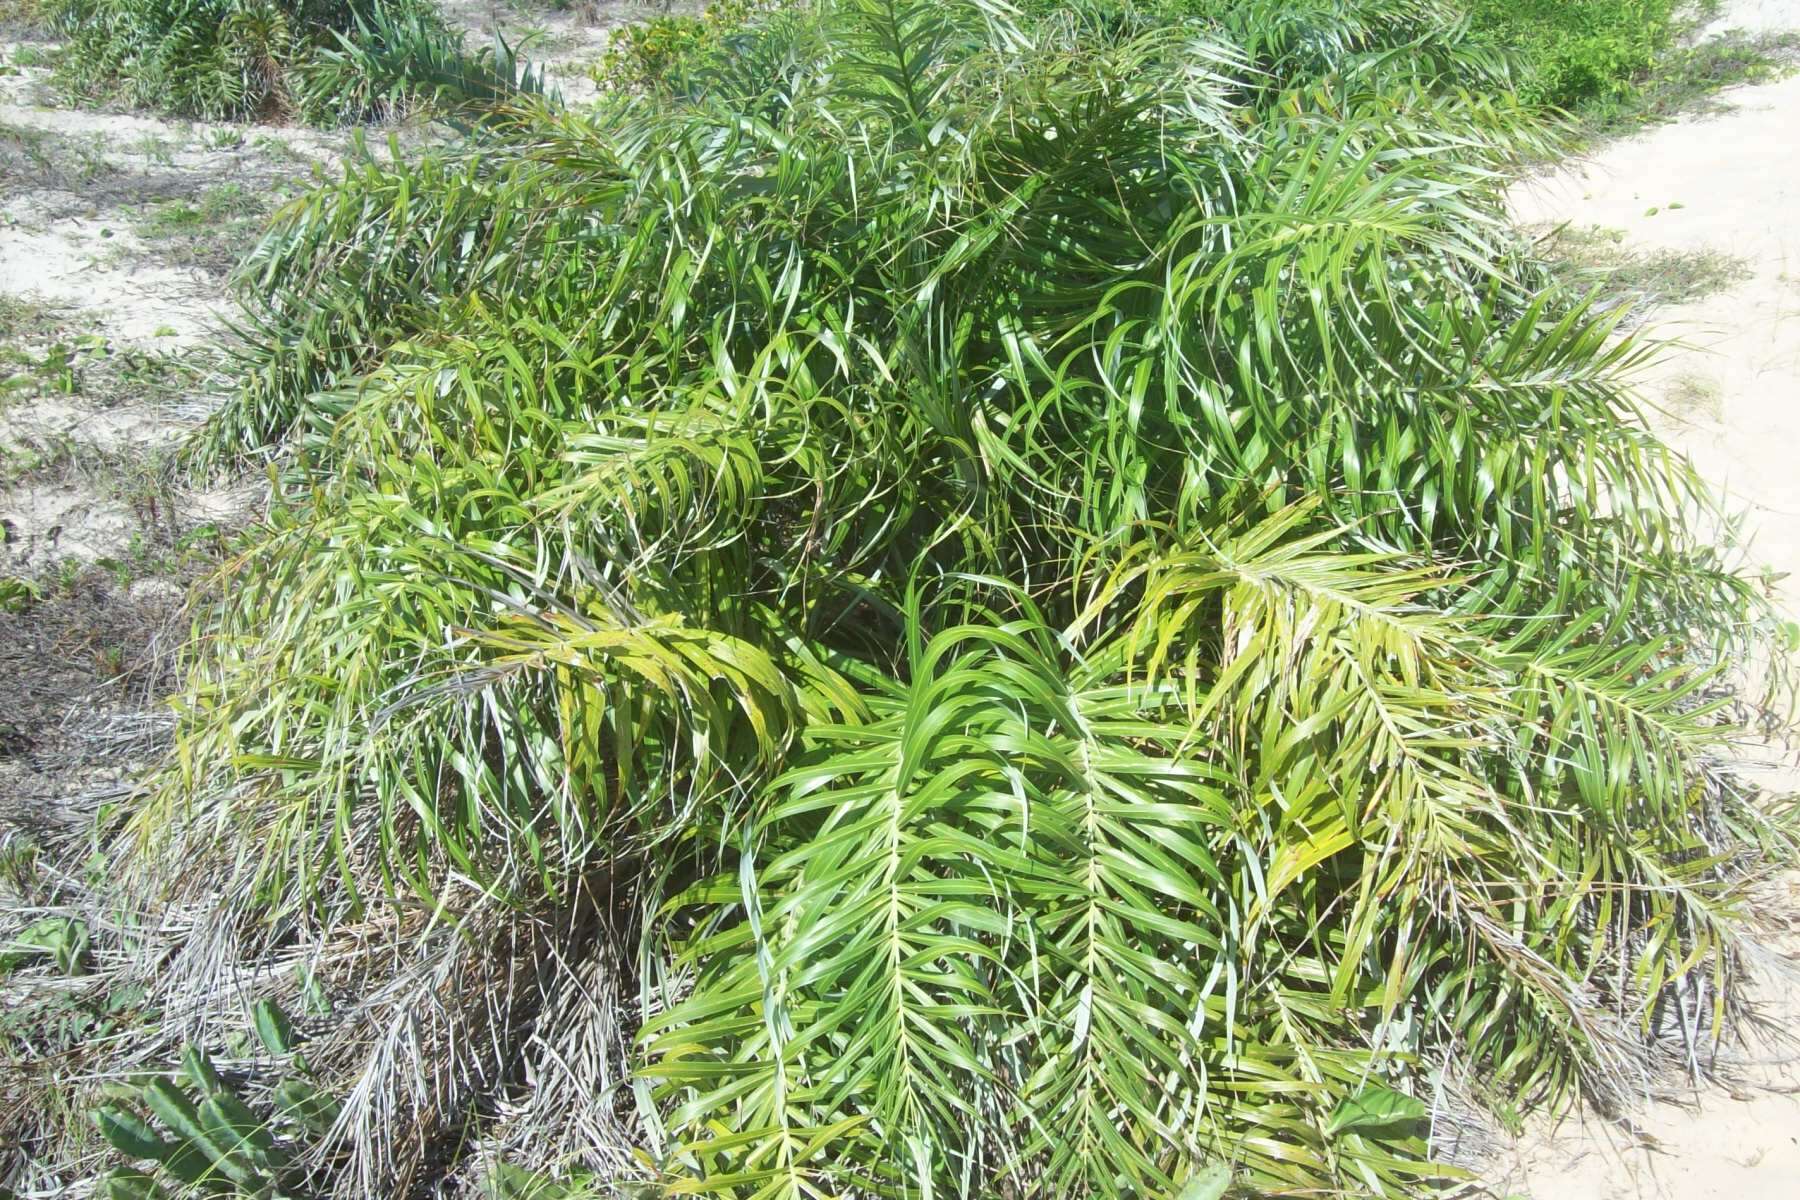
(319, 61)
(1580, 50)
(661, 51)
(946, 605)
(1565, 53)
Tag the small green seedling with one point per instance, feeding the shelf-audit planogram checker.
(64, 940)
(192, 1129)
(208, 1139)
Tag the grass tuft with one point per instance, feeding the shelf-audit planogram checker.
(210, 231)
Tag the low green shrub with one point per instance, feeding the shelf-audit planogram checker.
(394, 61)
(1576, 51)
(18, 593)
(659, 53)
(24, 16)
(665, 53)
(1568, 51)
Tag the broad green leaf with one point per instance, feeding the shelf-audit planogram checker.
(1375, 1108)
(129, 1134)
(1207, 1184)
(273, 1028)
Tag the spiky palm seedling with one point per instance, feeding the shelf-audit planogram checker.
(1038, 613)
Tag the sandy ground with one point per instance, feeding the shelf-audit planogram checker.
(564, 41)
(92, 513)
(63, 236)
(75, 187)
(1729, 396)
(1727, 184)
(1753, 16)
(76, 190)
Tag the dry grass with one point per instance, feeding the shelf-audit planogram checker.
(83, 668)
(1596, 258)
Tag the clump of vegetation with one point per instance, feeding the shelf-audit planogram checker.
(193, 1131)
(658, 54)
(955, 608)
(321, 61)
(1688, 79)
(22, 17)
(1613, 60)
(1578, 51)
(18, 593)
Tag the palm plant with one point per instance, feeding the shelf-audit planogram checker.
(969, 609)
(326, 61)
(395, 61)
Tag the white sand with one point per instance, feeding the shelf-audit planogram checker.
(57, 246)
(1730, 398)
(1754, 16)
(68, 243)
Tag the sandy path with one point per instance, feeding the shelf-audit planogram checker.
(566, 42)
(1730, 398)
(1728, 184)
(76, 187)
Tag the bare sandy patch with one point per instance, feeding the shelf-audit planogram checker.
(116, 233)
(1722, 186)
(75, 183)
(108, 430)
(1728, 185)
(45, 523)
(566, 42)
(74, 261)
(1754, 17)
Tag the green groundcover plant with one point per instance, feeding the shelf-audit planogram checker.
(658, 53)
(963, 608)
(1579, 51)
